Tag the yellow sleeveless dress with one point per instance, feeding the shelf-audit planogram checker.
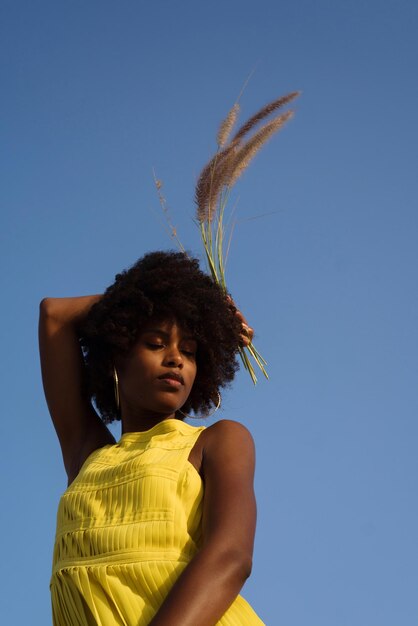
(127, 527)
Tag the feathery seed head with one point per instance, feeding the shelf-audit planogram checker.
(227, 125)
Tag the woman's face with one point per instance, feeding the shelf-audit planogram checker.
(158, 373)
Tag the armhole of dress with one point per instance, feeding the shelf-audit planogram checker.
(192, 451)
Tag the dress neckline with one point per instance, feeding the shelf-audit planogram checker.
(161, 428)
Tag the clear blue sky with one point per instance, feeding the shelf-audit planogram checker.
(97, 93)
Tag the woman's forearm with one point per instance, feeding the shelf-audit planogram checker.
(64, 311)
(205, 589)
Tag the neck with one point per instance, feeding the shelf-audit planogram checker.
(138, 419)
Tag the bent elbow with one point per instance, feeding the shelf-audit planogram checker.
(239, 563)
(49, 313)
(45, 308)
(246, 567)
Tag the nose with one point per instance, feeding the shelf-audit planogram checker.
(174, 358)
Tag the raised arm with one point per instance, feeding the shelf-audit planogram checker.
(213, 579)
(80, 430)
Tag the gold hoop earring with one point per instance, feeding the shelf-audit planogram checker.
(116, 388)
(198, 417)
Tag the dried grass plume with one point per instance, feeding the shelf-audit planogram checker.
(234, 156)
(216, 179)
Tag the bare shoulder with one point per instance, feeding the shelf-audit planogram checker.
(228, 429)
(228, 436)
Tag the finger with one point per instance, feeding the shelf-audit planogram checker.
(246, 336)
(248, 331)
(240, 316)
(244, 340)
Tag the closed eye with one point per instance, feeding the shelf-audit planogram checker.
(189, 353)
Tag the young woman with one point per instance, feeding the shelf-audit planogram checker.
(156, 529)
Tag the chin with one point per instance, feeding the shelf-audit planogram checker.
(166, 408)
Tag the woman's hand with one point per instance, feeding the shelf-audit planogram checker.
(247, 333)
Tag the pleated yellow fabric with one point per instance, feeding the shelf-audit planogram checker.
(127, 527)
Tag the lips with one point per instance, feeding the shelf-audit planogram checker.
(174, 376)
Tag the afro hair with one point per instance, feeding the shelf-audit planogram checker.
(163, 286)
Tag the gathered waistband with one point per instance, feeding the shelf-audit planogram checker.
(122, 557)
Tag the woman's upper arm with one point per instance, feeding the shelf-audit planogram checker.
(213, 578)
(79, 428)
(229, 512)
